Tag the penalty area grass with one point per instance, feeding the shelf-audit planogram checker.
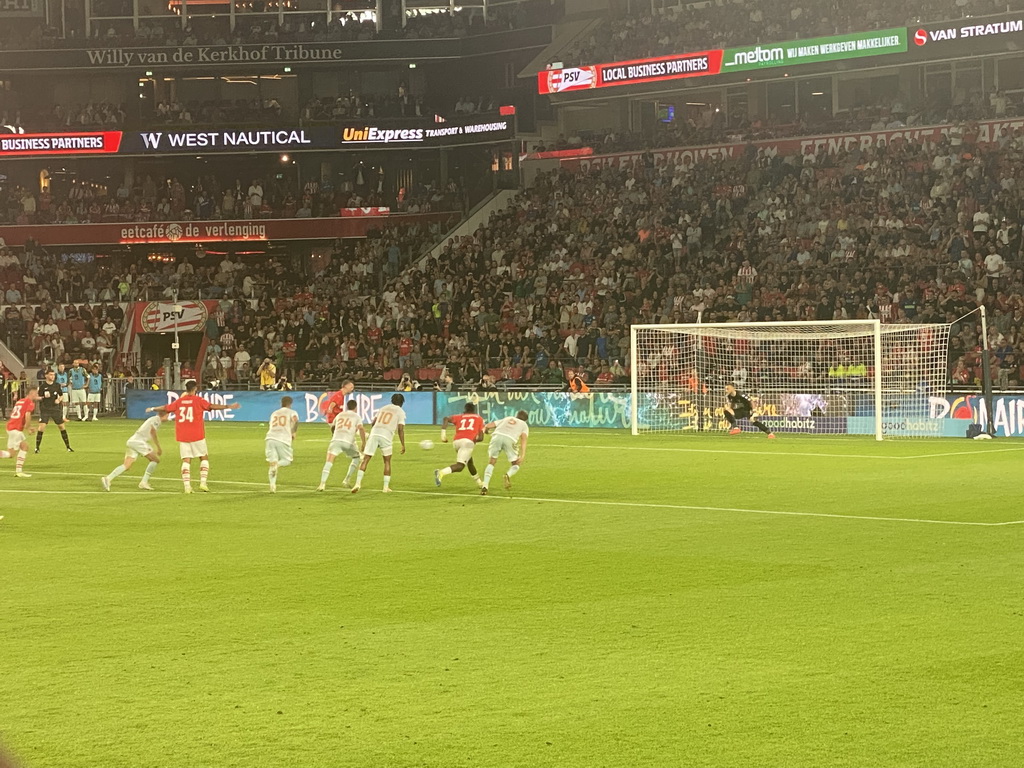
(632, 601)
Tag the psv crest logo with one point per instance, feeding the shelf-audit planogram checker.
(574, 78)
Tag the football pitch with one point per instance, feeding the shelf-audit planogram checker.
(660, 600)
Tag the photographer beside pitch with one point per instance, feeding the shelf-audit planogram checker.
(51, 408)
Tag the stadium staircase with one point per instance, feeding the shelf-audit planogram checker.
(479, 215)
(14, 363)
(564, 34)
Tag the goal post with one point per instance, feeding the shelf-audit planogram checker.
(817, 377)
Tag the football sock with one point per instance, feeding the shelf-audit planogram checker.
(64, 437)
(119, 470)
(352, 468)
(186, 474)
(445, 471)
(512, 470)
(39, 439)
(359, 477)
(20, 463)
(326, 472)
(5, 454)
(760, 426)
(272, 475)
(150, 469)
(387, 481)
(204, 471)
(487, 474)
(730, 418)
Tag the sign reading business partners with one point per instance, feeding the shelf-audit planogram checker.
(815, 50)
(630, 72)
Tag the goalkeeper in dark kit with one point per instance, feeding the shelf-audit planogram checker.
(739, 407)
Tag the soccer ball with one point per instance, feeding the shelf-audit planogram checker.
(426, 445)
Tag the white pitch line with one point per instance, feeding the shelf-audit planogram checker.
(720, 509)
(771, 453)
(712, 450)
(140, 494)
(152, 479)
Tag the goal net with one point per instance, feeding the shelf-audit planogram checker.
(831, 377)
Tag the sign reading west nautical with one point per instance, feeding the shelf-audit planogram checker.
(380, 135)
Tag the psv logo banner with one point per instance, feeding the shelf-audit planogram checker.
(571, 79)
(165, 316)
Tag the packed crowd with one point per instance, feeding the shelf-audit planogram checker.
(209, 198)
(238, 112)
(918, 232)
(681, 28)
(58, 311)
(252, 29)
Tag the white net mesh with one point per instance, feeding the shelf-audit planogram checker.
(815, 378)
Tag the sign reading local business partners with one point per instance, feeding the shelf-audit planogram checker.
(856, 45)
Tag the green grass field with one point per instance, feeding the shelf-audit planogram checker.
(650, 601)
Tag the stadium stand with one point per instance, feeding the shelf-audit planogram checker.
(909, 232)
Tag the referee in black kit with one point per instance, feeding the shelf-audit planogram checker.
(51, 408)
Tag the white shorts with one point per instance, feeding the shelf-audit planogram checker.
(464, 450)
(15, 437)
(337, 448)
(501, 444)
(138, 448)
(77, 396)
(378, 441)
(194, 450)
(278, 453)
(92, 397)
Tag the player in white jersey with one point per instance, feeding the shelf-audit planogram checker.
(509, 438)
(284, 423)
(143, 443)
(389, 419)
(347, 425)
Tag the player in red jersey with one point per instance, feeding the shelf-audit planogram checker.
(469, 430)
(190, 432)
(18, 425)
(335, 404)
